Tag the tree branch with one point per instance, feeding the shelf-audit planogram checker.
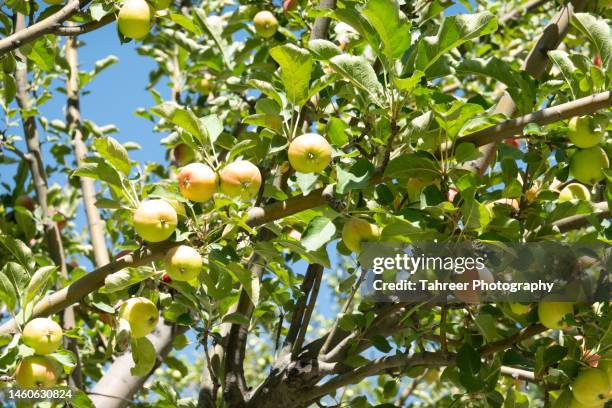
(73, 121)
(74, 30)
(573, 222)
(318, 276)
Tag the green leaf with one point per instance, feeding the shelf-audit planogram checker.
(216, 33)
(357, 177)
(144, 355)
(599, 33)
(248, 279)
(319, 256)
(391, 25)
(8, 295)
(38, 282)
(43, 54)
(26, 222)
(337, 132)
(98, 169)
(475, 215)
(81, 400)
(17, 275)
(360, 73)
(408, 84)
(125, 278)
(186, 22)
(455, 30)
(296, 68)
(213, 125)
(468, 362)
(114, 153)
(265, 120)
(236, 318)
(413, 165)
(323, 50)
(66, 358)
(181, 117)
(319, 232)
(20, 251)
(567, 69)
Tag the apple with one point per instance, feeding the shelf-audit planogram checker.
(584, 132)
(197, 182)
(183, 263)
(512, 142)
(575, 404)
(431, 376)
(551, 314)
(597, 60)
(183, 154)
(155, 220)
(141, 314)
(587, 165)
(265, 24)
(43, 335)
(204, 85)
(36, 372)
(356, 230)
(134, 19)
(470, 295)
(591, 386)
(519, 308)
(574, 191)
(26, 202)
(310, 153)
(240, 179)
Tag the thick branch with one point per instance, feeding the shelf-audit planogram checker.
(73, 120)
(318, 272)
(73, 30)
(321, 24)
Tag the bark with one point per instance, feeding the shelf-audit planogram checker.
(117, 387)
(73, 120)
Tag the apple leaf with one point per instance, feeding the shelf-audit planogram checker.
(358, 176)
(319, 256)
(318, 233)
(600, 34)
(144, 355)
(248, 279)
(236, 318)
(337, 132)
(39, 280)
(213, 125)
(26, 222)
(17, 274)
(8, 295)
(455, 30)
(412, 165)
(98, 169)
(567, 68)
(296, 68)
(20, 251)
(390, 24)
(323, 50)
(66, 358)
(114, 153)
(360, 73)
(183, 118)
(125, 278)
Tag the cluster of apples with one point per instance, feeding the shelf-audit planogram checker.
(40, 371)
(135, 17)
(588, 163)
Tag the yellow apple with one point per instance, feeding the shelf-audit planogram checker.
(574, 191)
(575, 404)
(310, 153)
(155, 220)
(183, 263)
(43, 335)
(240, 179)
(584, 132)
(356, 230)
(519, 308)
(36, 372)
(587, 165)
(197, 182)
(551, 314)
(134, 19)
(591, 387)
(141, 314)
(265, 24)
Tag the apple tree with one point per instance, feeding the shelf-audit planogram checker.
(295, 132)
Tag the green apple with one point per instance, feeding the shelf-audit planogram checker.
(141, 314)
(585, 132)
(134, 19)
(551, 314)
(356, 230)
(591, 386)
(155, 220)
(183, 263)
(240, 179)
(310, 153)
(519, 308)
(43, 335)
(575, 404)
(183, 154)
(587, 165)
(197, 182)
(574, 191)
(265, 24)
(36, 372)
